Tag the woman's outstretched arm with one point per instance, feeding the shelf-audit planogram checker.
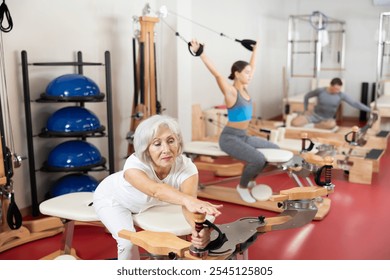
(221, 81)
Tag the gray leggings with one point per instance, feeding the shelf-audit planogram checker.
(236, 143)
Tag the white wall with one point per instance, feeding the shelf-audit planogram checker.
(54, 30)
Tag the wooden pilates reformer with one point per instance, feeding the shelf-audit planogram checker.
(352, 155)
(207, 153)
(299, 166)
(232, 240)
(374, 136)
(357, 150)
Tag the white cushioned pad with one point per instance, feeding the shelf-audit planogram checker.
(165, 218)
(276, 155)
(71, 206)
(261, 192)
(161, 218)
(213, 149)
(310, 127)
(290, 144)
(204, 148)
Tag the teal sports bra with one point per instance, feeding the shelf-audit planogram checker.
(241, 110)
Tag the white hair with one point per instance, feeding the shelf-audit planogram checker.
(147, 129)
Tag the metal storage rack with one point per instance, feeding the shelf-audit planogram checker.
(79, 64)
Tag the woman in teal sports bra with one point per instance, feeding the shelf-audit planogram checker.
(234, 139)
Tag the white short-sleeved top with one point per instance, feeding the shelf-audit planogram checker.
(116, 188)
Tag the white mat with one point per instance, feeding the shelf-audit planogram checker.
(204, 148)
(165, 218)
(72, 206)
(213, 149)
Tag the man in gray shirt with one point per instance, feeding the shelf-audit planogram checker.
(328, 101)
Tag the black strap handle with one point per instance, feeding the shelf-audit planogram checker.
(14, 217)
(247, 43)
(4, 12)
(217, 242)
(198, 52)
(327, 176)
(304, 142)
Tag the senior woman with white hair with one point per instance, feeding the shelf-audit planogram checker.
(156, 173)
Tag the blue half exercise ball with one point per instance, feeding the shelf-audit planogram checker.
(74, 153)
(73, 183)
(73, 119)
(72, 85)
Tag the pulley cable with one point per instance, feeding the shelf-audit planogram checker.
(197, 53)
(14, 217)
(6, 106)
(199, 24)
(247, 43)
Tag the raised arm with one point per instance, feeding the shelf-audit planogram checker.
(221, 81)
(252, 61)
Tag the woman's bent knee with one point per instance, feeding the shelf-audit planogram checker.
(299, 121)
(328, 124)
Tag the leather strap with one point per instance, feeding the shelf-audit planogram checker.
(14, 217)
(217, 242)
(198, 52)
(4, 12)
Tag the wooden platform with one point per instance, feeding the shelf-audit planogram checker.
(29, 231)
(229, 194)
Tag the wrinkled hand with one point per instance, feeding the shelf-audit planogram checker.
(195, 205)
(200, 239)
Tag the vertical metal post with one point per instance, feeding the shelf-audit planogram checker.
(379, 68)
(80, 69)
(30, 145)
(342, 56)
(318, 49)
(67, 237)
(107, 64)
(290, 42)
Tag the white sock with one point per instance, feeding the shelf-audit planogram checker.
(245, 194)
(251, 184)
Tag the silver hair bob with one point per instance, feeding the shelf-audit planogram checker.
(146, 131)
